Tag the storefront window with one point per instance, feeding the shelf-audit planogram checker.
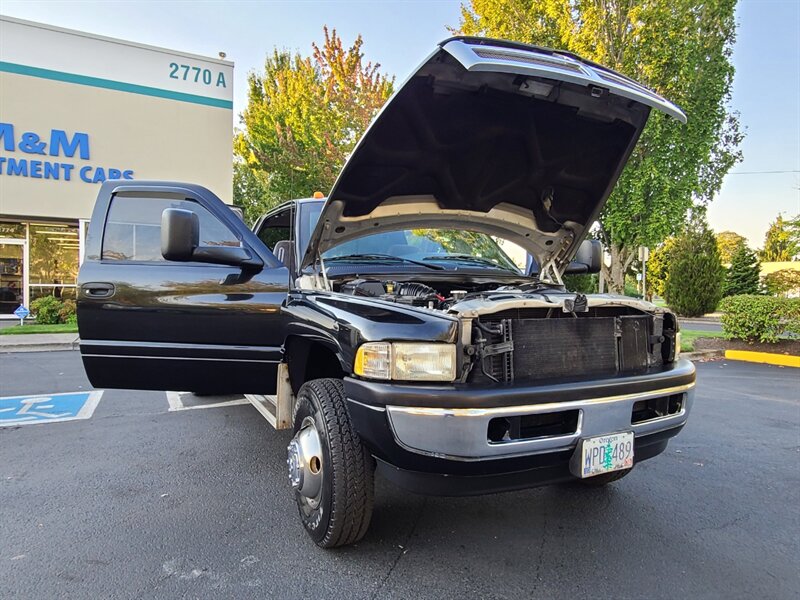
(11, 280)
(12, 230)
(61, 292)
(53, 268)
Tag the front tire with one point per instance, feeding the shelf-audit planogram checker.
(329, 468)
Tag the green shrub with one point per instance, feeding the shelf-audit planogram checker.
(759, 318)
(632, 287)
(47, 309)
(67, 313)
(694, 282)
(581, 284)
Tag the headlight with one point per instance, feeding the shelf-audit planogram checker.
(677, 344)
(406, 361)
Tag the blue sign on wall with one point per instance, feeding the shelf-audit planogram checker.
(53, 408)
(32, 153)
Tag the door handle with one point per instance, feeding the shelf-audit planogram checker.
(97, 290)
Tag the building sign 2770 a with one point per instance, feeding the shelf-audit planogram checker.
(33, 154)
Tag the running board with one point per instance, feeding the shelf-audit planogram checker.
(277, 410)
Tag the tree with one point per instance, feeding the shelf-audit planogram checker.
(658, 267)
(793, 226)
(250, 191)
(680, 48)
(743, 276)
(304, 115)
(778, 243)
(783, 282)
(727, 243)
(694, 282)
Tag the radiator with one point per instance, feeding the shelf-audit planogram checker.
(569, 347)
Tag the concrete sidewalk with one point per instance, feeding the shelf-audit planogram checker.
(38, 342)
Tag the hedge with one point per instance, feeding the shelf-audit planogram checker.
(49, 310)
(581, 284)
(759, 318)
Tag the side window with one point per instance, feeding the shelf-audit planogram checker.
(133, 228)
(275, 229)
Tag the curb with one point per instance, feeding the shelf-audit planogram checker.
(769, 358)
(703, 355)
(38, 348)
(716, 320)
(43, 347)
(700, 319)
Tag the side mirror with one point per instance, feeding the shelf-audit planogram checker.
(180, 234)
(180, 241)
(588, 258)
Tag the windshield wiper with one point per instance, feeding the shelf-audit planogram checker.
(372, 257)
(469, 258)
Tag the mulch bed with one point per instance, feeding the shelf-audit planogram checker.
(791, 347)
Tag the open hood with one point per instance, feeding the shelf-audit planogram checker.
(516, 141)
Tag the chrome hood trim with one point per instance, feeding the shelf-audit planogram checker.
(477, 307)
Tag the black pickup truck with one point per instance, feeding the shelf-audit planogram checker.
(385, 323)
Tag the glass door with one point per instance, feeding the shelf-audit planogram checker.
(12, 276)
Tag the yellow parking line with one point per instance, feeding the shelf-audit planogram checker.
(783, 360)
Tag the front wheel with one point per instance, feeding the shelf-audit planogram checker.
(331, 472)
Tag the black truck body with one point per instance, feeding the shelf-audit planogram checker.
(385, 322)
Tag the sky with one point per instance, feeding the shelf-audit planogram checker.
(400, 34)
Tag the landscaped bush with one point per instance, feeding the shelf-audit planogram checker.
(632, 287)
(47, 309)
(581, 284)
(67, 313)
(759, 318)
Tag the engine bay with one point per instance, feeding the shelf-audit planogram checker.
(411, 293)
(530, 330)
(441, 297)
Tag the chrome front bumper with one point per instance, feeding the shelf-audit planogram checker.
(461, 433)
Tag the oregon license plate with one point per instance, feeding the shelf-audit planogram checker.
(603, 454)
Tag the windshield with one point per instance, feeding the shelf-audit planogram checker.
(448, 247)
(427, 246)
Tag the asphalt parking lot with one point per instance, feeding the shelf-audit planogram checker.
(137, 501)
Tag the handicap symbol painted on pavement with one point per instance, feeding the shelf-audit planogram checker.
(52, 408)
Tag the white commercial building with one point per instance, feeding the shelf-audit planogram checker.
(77, 109)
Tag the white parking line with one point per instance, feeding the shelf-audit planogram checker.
(176, 403)
(266, 405)
(174, 400)
(87, 410)
(238, 402)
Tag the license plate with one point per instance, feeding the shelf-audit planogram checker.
(603, 454)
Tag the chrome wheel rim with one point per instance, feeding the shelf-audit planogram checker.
(305, 463)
